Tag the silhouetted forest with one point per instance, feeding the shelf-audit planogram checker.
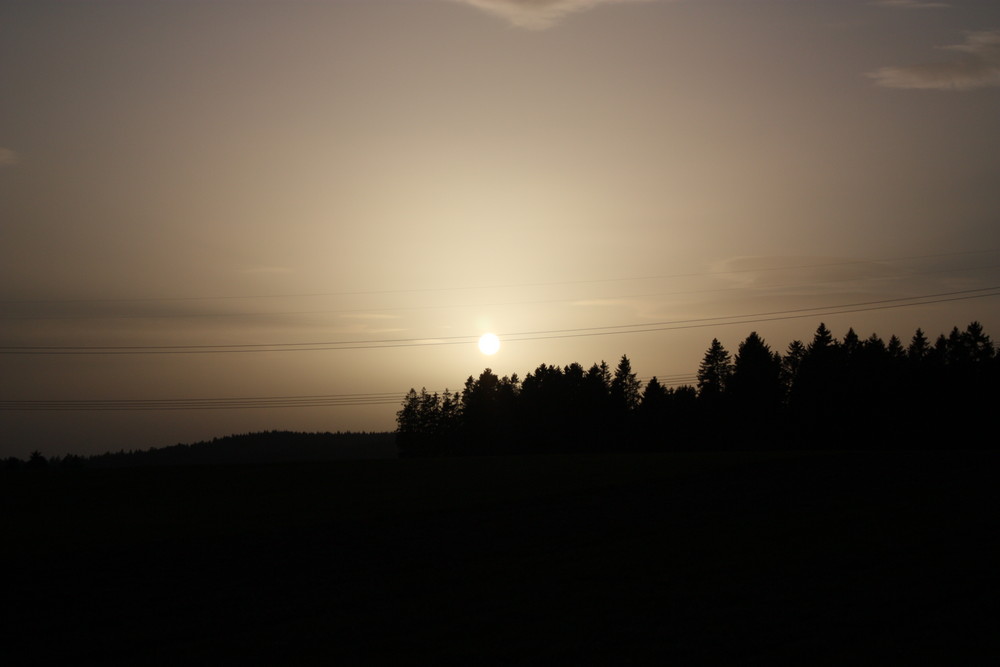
(855, 393)
(264, 447)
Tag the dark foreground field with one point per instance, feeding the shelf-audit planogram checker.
(832, 558)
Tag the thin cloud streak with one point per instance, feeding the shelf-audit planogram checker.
(537, 14)
(370, 316)
(977, 66)
(911, 4)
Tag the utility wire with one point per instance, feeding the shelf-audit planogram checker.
(752, 318)
(456, 288)
(457, 306)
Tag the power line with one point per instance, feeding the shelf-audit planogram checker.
(454, 306)
(394, 398)
(859, 305)
(456, 288)
(752, 318)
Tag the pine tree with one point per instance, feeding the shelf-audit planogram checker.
(625, 387)
(791, 362)
(418, 424)
(851, 343)
(37, 460)
(874, 346)
(654, 396)
(919, 347)
(714, 371)
(895, 349)
(755, 385)
(822, 340)
(977, 346)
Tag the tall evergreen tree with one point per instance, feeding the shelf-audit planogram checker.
(598, 387)
(653, 415)
(37, 461)
(977, 346)
(488, 411)
(654, 396)
(625, 387)
(919, 347)
(817, 395)
(418, 424)
(790, 363)
(895, 349)
(756, 389)
(955, 351)
(756, 377)
(874, 346)
(822, 340)
(714, 371)
(851, 344)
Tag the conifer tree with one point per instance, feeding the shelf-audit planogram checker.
(976, 345)
(851, 343)
(919, 347)
(654, 396)
(625, 387)
(791, 362)
(714, 371)
(756, 377)
(822, 340)
(895, 349)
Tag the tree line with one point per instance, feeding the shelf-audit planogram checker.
(240, 448)
(847, 393)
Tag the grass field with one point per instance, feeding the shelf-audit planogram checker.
(824, 557)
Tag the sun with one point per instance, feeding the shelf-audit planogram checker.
(489, 343)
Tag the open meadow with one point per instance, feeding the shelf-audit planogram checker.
(812, 557)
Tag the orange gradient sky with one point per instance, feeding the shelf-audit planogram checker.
(234, 199)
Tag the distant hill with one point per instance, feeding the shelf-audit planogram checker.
(263, 447)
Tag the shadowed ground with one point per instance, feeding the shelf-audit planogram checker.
(827, 558)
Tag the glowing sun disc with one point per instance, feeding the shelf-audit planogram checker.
(489, 343)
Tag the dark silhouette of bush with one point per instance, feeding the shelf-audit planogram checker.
(36, 461)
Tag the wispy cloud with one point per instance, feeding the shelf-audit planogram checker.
(589, 303)
(8, 158)
(797, 274)
(911, 4)
(369, 316)
(976, 65)
(537, 14)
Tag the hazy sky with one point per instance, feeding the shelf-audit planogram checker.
(320, 177)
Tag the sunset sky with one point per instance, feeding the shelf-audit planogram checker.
(236, 199)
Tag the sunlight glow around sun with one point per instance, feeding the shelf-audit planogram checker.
(489, 343)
